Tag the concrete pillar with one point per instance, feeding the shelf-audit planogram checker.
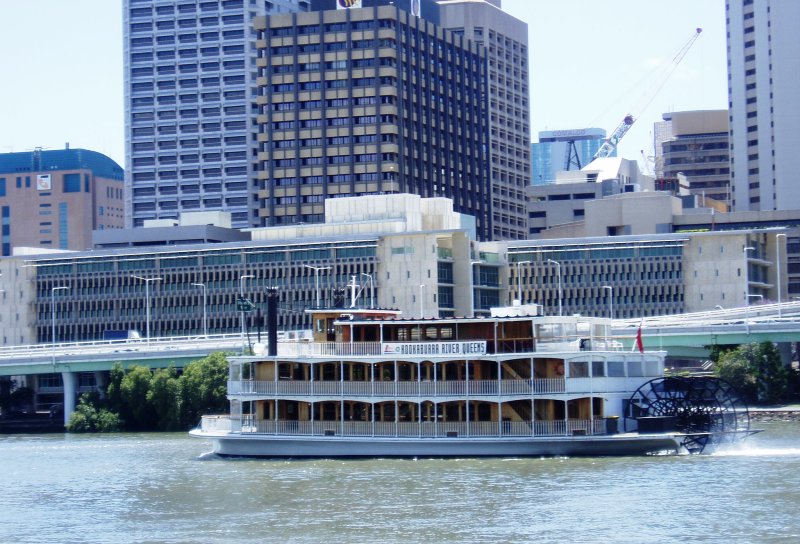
(785, 349)
(70, 380)
(101, 382)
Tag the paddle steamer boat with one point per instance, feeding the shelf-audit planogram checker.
(373, 384)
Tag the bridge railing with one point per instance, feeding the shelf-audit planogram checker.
(111, 346)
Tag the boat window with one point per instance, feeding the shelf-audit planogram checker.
(635, 368)
(651, 368)
(446, 333)
(430, 333)
(578, 369)
(402, 334)
(616, 369)
(598, 369)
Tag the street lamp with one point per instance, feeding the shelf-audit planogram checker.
(53, 318)
(371, 289)
(205, 299)
(747, 310)
(779, 271)
(610, 300)
(316, 270)
(241, 302)
(519, 279)
(147, 298)
(558, 269)
(747, 273)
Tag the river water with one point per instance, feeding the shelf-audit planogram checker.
(166, 488)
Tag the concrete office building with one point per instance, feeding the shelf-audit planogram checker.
(697, 147)
(505, 39)
(365, 101)
(564, 200)
(643, 275)
(559, 150)
(53, 199)
(403, 251)
(189, 119)
(764, 102)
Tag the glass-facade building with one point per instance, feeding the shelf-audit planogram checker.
(559, 150)
(189, 119)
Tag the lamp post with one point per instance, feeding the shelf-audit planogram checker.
(558, 269)
(747, 310)
(147, 299)
(53, 318)
(610, 300)
(241, 300)
(779, 272)
(205, 299)
(745, 249)
(371, 289)
(519, 279)
(316, 270)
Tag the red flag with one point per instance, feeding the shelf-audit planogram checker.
(639, 343)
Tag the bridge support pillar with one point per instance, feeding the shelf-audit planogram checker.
(101, 382)
(70, 380)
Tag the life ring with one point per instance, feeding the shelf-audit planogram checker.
(560, 369)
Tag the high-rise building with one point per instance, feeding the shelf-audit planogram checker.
(53, 199)
(189, 119)
(697, 147)
(562, 150)
(367, 101)
(505, 39)
(764, 102)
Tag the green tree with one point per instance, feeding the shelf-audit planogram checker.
(87, 418)
(203, 387)
(772, 378)
(114, 399)
(133, 389)
(735, 367)
(756, 371)
(164, 399)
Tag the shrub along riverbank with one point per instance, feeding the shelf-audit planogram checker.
(140, 399)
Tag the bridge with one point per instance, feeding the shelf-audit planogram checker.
(681, 336)
(689, 335)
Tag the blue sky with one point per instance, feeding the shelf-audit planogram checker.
(591, 62)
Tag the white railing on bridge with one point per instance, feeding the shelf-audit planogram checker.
(247, 425)
(159, 344)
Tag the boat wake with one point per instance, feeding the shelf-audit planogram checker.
(757, 451)
(207, 456)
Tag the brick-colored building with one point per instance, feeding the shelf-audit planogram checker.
(54, 199)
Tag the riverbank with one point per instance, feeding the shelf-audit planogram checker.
(788, 413)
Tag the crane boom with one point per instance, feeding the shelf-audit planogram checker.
(610, 144)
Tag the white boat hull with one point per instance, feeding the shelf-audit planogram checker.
(272, 446)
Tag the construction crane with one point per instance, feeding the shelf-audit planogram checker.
(625, 125)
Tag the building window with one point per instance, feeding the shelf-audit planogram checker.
(63, 233)
(72, 183)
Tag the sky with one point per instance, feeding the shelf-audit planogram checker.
(591, 63)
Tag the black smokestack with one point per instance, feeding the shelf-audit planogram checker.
(272, 321)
